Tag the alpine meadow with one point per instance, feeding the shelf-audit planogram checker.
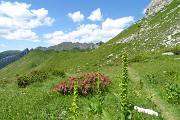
(133, 76)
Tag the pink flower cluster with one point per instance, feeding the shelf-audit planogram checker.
(87, 83)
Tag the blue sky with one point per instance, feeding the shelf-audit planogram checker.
(32, 23)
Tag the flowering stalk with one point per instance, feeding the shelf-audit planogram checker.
(123, 87)
(74, 103)
(100, 95)
(99, 80)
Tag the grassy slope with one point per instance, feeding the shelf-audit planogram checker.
(38, 102)
(157, 68)
(24, 65)
(150, 32)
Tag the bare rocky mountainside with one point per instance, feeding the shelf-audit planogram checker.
(156, 5)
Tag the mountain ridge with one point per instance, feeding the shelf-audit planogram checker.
(8, 57)
(68, 46)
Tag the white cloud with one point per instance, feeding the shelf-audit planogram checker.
(40, 13)
(20, 16)
(15, 10)
(22, 34)
(109, 23)
(2, 45)
(5, 23)
(57, 37)
(17, 17)
(90, 32)
(96, 15)
(76, 16)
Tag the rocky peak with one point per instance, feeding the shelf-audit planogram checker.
(156, 5)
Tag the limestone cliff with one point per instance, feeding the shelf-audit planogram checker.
(156, 5)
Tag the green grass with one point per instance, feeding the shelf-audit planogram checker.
(157, 68)
(23, 66)
(37, 101)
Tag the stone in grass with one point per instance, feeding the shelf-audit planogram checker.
(148, 111)
(168, 53)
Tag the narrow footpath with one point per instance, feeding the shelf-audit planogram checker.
(160, 103)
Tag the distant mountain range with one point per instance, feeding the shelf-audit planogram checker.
(69, 46)
(10, 56)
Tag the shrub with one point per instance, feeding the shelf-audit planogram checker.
(34, 76)
(37, 76)
(58, 73)
(137, 58)
(87, 83)
(23, 81)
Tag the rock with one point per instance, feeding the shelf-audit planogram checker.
(156, 5)
(168, 53)
(148, 111)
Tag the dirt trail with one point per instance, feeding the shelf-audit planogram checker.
(161, 104)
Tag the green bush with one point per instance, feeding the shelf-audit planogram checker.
(23, 81)
(34, 76)
(58, 73)
(137, 58)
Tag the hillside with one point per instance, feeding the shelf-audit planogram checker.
(150, 34)
(8, 53)
(153, 77)
(7, 57)
(153, 32)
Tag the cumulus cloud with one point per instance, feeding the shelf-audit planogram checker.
(109, 23)
(5, 23)
(15, 10)
(96, 15)
(17, 18)
(76, 16)
(91, 32)
(57, 37)
(40, 13)
(22, 34)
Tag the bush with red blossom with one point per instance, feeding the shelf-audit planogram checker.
(87, 83)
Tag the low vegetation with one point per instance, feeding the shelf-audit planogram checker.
(87, 84)
(38, 85)
(37, 76)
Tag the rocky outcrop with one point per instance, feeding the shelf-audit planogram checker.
(156, 5)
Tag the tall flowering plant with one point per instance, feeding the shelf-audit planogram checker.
(123, 89)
